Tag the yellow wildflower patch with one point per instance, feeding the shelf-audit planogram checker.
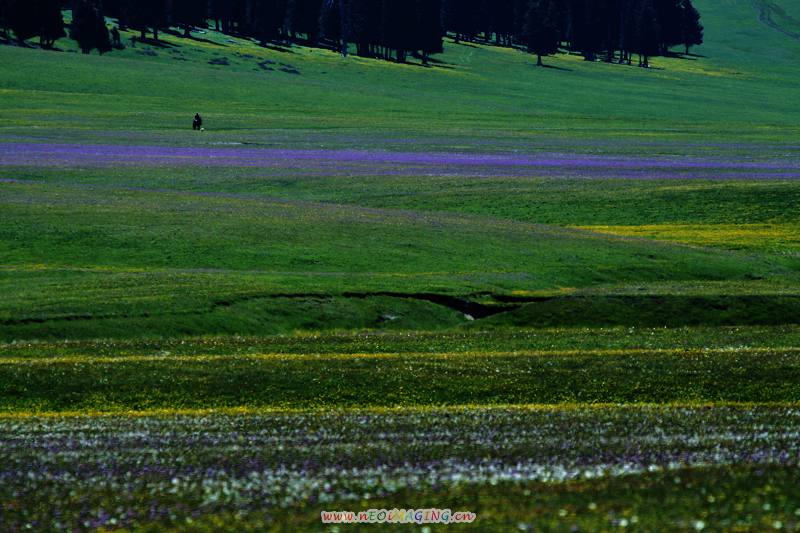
(776, 237)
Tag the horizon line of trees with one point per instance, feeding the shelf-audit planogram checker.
(612, 30)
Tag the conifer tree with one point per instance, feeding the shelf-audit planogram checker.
(428, 28)
(365, 24)
(669, 17)
(51, 22)
(302, 17)
(397, 20)
(330, 24)
(220, 14)
(541, 33)
(502, 21)
(267, 19)
(89, 26)
(462, 17)
(647, 37)
(29, 18)
(147, 15)
(626, 29)
(587, 27)
(22, 19)
(3, 18)
(189, 14)
(691, 28)
(609, 12)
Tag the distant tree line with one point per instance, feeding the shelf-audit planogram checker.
(612, 30)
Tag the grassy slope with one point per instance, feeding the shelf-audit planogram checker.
(547, 366)
(335, 381)
(99, 253)
(741, 89)
(120, 252)
(107, 274)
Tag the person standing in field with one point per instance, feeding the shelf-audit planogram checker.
(197, 123)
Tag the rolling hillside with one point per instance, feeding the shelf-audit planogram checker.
(739, 87)
(553, 299)
(320, 195)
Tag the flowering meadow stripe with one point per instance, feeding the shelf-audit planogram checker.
(58, 472)
(103, 360)
(361, 162)
(244, 411)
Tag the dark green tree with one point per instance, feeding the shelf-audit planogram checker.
(302, 17)
(89, 26)
(541, 33)
(118, 9)
(29, 18)
(587, 28)
(626, 29)
(22, 19)
(220, 13)
(333, 21)
(268, 17)
(3, 18)
(241, 17)
(428, 29)
(501, 20)
(520, 10)
(669, 16)
(462, 17)
(189, 14)
(365, 26)
(397, 27)
(51, 21)
(691, 28)
(147, 15)
(647, 34)
(609, 12)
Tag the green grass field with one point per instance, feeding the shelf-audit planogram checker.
(568, 294)
(738, 89)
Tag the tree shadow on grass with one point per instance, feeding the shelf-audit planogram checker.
(680, 55)
(439, 63)
(463, 43)
(554, 67)
(418, 63)
(445, 66)
(190, 37)
(152, 42)
(278, 48)
(16, 42)
(201, 40)
(433, 66)
(432, 63)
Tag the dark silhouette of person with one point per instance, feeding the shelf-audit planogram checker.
(197, 123)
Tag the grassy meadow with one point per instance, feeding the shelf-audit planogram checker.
(557, 297)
